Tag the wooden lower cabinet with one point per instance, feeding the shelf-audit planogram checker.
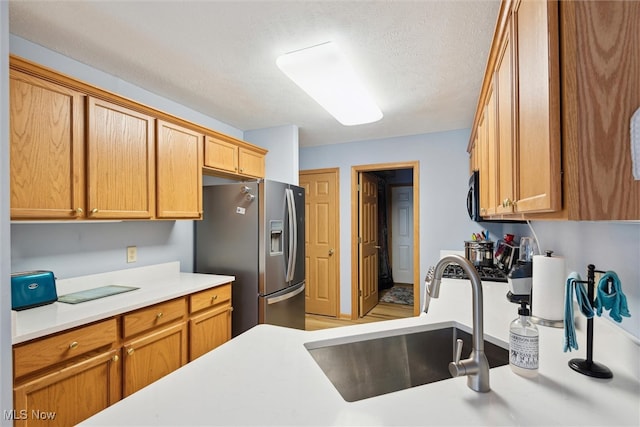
(210, 323)
(152, 356)
(64, 378)
(68, 395)
(209, 330)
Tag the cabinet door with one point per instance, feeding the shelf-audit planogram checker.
(505, 124)
(47, 149)
(251, 163)
(601, 91)
(121, 166)
(209, 330)
(153, 356)
(179, 172)
(483, 163)
(492, 155)
(71, 394)
(221, 154)
(538, 168)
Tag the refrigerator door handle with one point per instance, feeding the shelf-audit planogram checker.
(293, 235)
(280, 298)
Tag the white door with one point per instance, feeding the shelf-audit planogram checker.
(402, 234)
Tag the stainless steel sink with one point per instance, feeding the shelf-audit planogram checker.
(369, 365)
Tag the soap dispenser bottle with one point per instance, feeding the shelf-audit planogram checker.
(523, 344)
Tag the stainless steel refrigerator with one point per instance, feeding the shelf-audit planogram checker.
(255, 231)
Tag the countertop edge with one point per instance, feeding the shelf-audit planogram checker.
(156, 290)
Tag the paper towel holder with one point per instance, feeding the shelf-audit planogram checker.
(539, 320)
(588, 366)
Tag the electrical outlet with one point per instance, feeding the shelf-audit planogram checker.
(132, 254)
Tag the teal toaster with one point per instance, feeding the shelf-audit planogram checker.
(32, 289)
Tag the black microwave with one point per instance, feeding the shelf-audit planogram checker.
(473, 202)
(473, 197)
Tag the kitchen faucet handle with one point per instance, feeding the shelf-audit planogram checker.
(458, 350)
(456, 369)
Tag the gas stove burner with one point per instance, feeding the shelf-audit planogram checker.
(488, 274)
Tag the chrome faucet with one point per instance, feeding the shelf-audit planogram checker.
(476, 367)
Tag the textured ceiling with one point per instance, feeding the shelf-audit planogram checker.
(423, 60)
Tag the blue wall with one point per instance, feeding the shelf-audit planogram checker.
(444, 171)
(444, 177)
(281, 163)
(83, 248)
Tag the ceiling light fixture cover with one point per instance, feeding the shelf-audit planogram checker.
(324, 73)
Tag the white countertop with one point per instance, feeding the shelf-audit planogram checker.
(156, 283)
(266, 377)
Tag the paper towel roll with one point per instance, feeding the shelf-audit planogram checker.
(547, 287)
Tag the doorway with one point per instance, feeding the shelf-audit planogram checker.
(365, 250)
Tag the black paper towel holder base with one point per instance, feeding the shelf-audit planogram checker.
(588, 366)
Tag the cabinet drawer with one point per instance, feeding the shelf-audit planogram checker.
(49, 351)
(156, 315)
(210, 297)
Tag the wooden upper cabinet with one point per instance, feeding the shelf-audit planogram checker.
(121, 162)
(80, 152)
(47, 149)
(232, 158)
(483, 162)
(504, 86)
(251, 163)
(538, 168)
(220, 154)
(486, 146)
(492, 154)
(179, 171)
(600, 93)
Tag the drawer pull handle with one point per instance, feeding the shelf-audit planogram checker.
(94, 210)
(73, 345)
(79, 211)
(213, 298)
(130, 351)
(159, 315)
(116, 358)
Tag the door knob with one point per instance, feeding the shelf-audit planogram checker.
(331, 251)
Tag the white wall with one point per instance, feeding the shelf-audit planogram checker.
(444, 178)
(6, 371)
(281, 163)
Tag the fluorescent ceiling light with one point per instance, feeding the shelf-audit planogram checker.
(324, 73)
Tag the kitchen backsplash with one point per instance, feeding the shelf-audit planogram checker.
(608, 245)
(78, 249)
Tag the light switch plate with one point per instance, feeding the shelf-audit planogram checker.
(132, 254)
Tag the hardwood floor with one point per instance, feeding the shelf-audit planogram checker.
(382, 311)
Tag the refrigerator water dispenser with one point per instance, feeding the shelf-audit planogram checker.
(276, 237)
